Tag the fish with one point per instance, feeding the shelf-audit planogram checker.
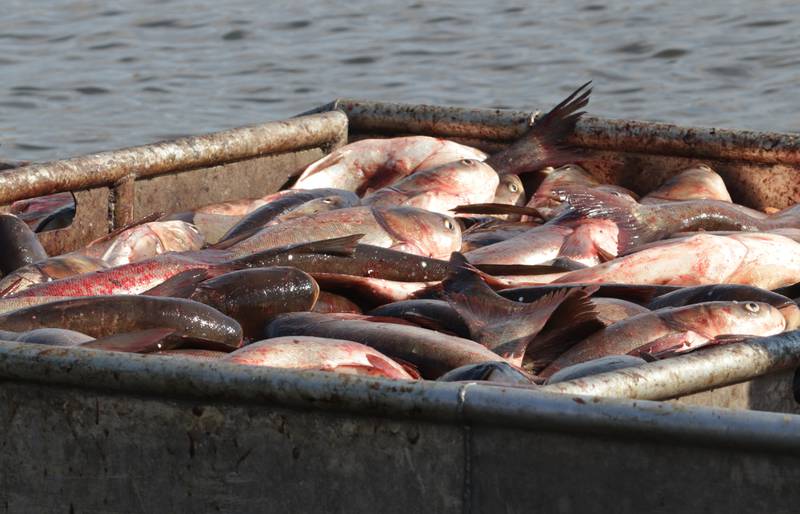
(370, 164)
(510, 191)
(483, 234)
(185, 268)
(544, 199)
(253, 296)
(675, 328)
(504, 326)
(47, 270)
(440, 189)
(44, 213)
(594, 367)
(20, 244)
(495, 372)
(729, 292)
(428, 313)
(699, 182)
(101, 316)
(49, 336)
(12, 304)
(585, 242)
(641, 224)
(764, 260)
(139, 341)
(543, 144)
(300, 201)
(641, 294)
(319, 354)
(328, 303)
(150, 239)
(432, 353)
(611, 310)
(405, 229)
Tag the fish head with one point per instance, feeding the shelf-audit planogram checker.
(420, 231)
(178, 236)
(510, 191)
(739, 318)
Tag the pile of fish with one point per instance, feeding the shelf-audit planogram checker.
(421, 258)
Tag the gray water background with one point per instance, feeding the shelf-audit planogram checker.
(79, 76)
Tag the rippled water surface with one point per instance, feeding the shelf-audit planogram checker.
(81, 76)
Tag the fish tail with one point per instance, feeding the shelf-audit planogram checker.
(504, 326)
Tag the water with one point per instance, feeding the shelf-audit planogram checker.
(87, 75)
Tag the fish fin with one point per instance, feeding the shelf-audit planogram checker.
(397, 238)
(573, 320)
(496, 208)
(410, 368)
(10, 288)
(717, 341)
(522, 269)
(344, 246)
(670, 344)
(114, 233)
(382, 365)
(140, 341)
(181, 285)
(594, 203)
(504, 326)
(550, 129)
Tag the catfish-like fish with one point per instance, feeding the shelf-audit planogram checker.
(407, 229)
(695, 183)
(370, 164)
(433, 353)
(98, 316)
(676, 328)
(496, 372)
(20, 244)
(543, 144)
(440, 189)
(319, 354)
(429, 313)
(253, 296)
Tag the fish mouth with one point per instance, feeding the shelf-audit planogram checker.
(791, 313)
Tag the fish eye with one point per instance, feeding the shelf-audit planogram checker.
(752, 307)
(467, 162)
(448, 224)
(513, 188)
(327, 200)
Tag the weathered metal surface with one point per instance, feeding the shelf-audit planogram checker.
(181, 191)
(106, 168)
(694, 372)
(90, 222)
(773, 392)
(88, 431)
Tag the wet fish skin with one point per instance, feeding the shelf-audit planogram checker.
(510, 191)
(20, 244)
(764, 260)
(495, 372)
(433, 353)
(151, 239)
(297, 202)
(52, 268)
(319, 354)
(683, 328)
(730, 292)
(401, 228)
(594, 367)
(329, 303)
(433, 314)
(101, 316)
(699, 182)
(640, 224)
(440, 189)
(370, 164)
(253, 296)
(49, 336)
